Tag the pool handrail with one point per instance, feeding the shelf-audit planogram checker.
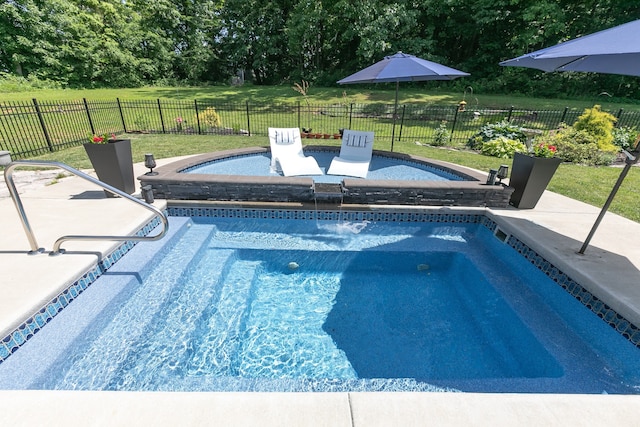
(8, 176)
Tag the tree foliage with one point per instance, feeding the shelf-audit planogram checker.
(115, 43)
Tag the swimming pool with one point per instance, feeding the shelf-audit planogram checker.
(328, 301)
(394, 179)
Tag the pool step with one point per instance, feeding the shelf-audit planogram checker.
(500, 350)
(170, 342)
(216, 351)
(141, 308)
(84, 315)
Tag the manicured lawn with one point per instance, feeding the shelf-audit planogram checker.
(421, 92)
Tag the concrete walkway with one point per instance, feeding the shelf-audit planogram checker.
(556, 228)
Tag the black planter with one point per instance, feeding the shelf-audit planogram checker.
(113, 164)
(530, 177)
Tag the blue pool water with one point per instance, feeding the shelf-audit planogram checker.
(381, 167)
(229, 304)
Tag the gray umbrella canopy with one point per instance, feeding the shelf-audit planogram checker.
(402, 67)
(612, 51)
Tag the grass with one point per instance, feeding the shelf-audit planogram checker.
(587, 184)
(417, 92)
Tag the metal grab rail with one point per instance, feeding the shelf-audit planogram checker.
(8, 176)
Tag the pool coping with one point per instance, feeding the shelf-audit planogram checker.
(171, 183)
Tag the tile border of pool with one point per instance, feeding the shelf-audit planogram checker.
(19, 336)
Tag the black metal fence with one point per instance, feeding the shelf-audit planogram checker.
(32, 128)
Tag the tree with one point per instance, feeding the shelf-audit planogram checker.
(129, 43)
(254, 38)
(28, 39)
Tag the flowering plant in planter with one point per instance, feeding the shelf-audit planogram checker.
(101, 139)
(544, 150)
(531, 173)
(112, 160)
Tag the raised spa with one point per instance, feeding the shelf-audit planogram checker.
(394, 179)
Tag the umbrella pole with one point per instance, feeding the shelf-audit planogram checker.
(395, 114)
(631, 160)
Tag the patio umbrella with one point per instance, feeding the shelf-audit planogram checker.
(612, 51)
(402, 67)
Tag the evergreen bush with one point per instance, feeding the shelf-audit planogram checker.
(599, 124)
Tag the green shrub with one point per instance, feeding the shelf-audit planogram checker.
(624, 137)
(502, 147)
(578, 146)
(12, 83)
(141, 122)
(441, 135)
(492, 131)
(599, 124)
(210, 118)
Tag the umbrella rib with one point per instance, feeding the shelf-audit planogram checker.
(572, 62)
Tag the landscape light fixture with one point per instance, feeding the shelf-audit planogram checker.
(150, 163)
(503, 172)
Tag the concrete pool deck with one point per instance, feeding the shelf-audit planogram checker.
(610, 269)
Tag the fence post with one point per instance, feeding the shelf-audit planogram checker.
(564, 115)
(510, 113)
(195, 103)
(161, 117)
(404, 106)
(44, 127)
(453, 126)
(350, 114)
(298, 114)
(86, 107)
(124, 125)
(248, 120)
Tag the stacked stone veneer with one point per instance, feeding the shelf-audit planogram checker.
(421, 193)
(170, 183)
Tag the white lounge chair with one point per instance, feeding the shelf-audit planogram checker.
(287, 155)
(355, 154)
